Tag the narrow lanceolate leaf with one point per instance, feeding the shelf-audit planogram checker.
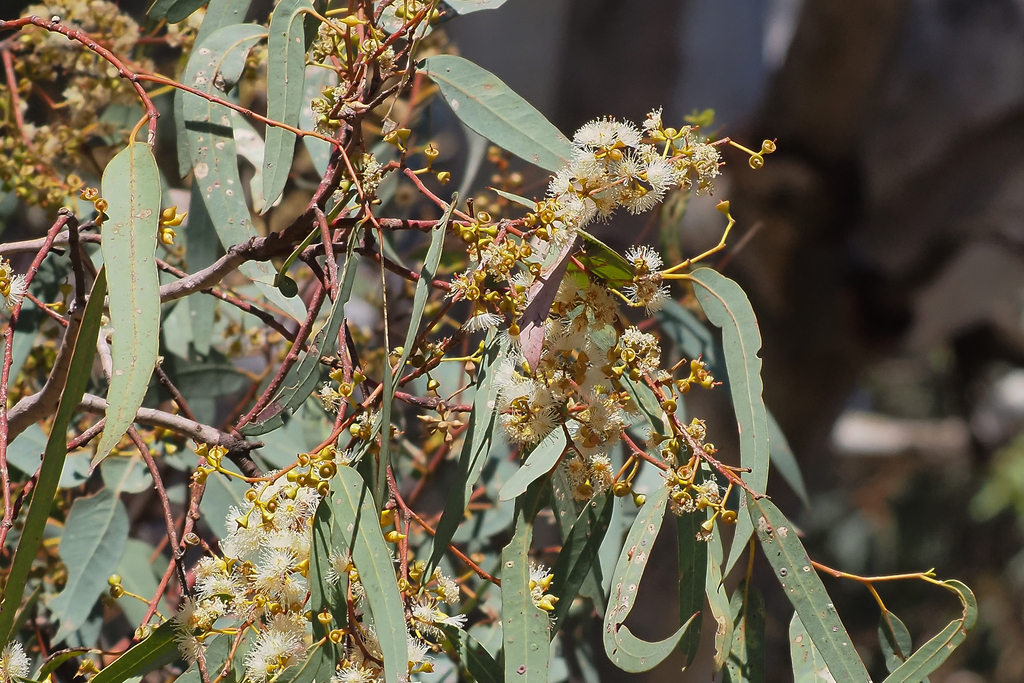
(174, 10)
(488, 106)
(568, 513)
(286, 81)
(307, 370)
(356, 515)
(91, 548)
(718, 600)
(539, 462)
(54, 456)
(626, 651)
(131, 186)
(524, 626)
(746, 658)
(473, 656)
(153, 652)
(214, 68)
(933, 653)
(480, 433)
(805, 591)
(693, 567)
(784, 461)
(423, 286)
(604, 262)
(203, 247)
(578, 556)
(316, 79)
(468, 6)
(895, 641)
(325, 596)
(727, 307)
(515, 198)
(808, 664)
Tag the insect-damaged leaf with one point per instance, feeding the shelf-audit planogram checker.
(805, 591)
(625, 650)
(727, 307)
(131, 186)
(286, 72)
(718, 600)
(808, 664)
(488, 106)
(524, 625)
(355, 517)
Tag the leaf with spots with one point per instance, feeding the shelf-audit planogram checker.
(805, 591)
(718, 599)
(808, 664)
(624, 649)
(356, 527)
(488, 106)
(933, 653)
(286, 72)
(746, 657)
(727, 307)
(524, 625)
(131, 185)
(215, 68)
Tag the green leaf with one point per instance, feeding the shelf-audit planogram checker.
(488, 106)
(894, 639)
(174, 10)
(514, 198)
(568, 512)
(203, 250)
(524, 625)
(578, 556)
(131, 185)
(933, 653)
(689, 334)
(693, 567)
(423, 286)
(307, 370)
(316, 79)
(784, 461)
(153, 652)
(468, 6)
(214, 68)
(53, 457)
(746, 658)
(625, 650)
(604, 262)
(473, 656)
(539, 462)
(91, 547)
(354, 512)
(320, 664)
(808, 664)
(727, 307)
(718, 601)
(286, 80)
(127, 473)
(805, 591)
(323, 595)
(648, 404)
(219, 13)
(479, 438)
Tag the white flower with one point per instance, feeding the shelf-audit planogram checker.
(653, 121)
(12, 290)
(644, 258)
(481, 320)
(353, 674)
(600, 133)
(338, 564)
(14, 663)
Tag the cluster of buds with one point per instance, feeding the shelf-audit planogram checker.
(91, 194)
(332, 398)
(170, 219)
(699, 375)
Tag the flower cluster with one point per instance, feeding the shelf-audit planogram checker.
(14, 662)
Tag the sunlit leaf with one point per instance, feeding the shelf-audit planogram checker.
(488, 106)
(604, 262)
(538, 463)
(746, 657)
(727, 307)
(805, 591)
(131, 185)
(625, 650)
(286, 68)
(524, 625)
(153, 652)
(808, 664)
(356, 515)
(53, 457)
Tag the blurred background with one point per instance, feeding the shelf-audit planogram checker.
(882, 249)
